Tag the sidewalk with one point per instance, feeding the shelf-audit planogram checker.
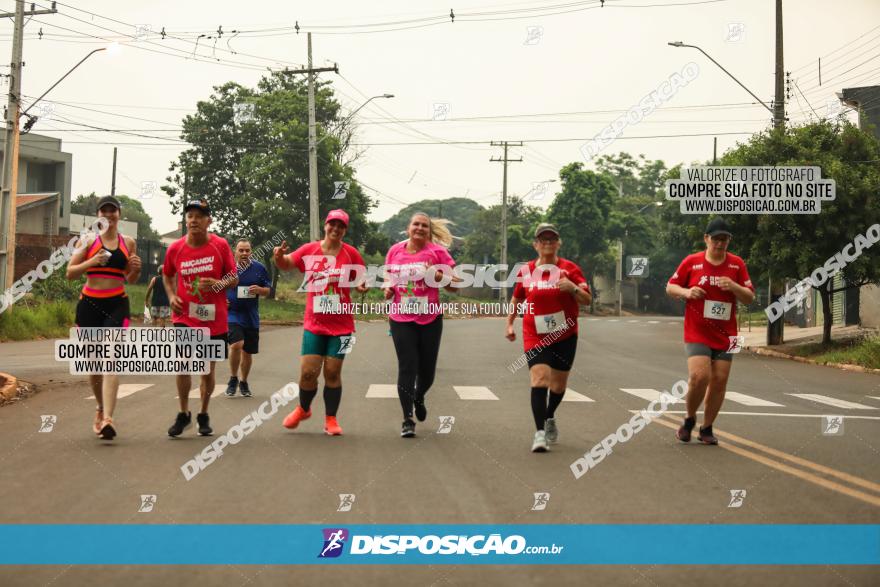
(792, 334)
(756, 342)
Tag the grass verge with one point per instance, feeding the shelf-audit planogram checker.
(857, 351)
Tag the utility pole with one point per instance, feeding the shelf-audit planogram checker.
(779, 103)
(9, 176)
(113, 182)
(504, 160)
(775, 330)
(314, 233)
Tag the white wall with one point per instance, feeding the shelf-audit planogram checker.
(80, 222)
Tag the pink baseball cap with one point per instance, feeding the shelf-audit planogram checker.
(337, 215)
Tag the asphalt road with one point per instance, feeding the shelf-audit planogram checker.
(480, 472)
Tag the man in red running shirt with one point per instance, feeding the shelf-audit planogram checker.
(194, 264)
(712, 282)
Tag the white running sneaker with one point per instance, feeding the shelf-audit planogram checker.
(540, 442)
(551, 431)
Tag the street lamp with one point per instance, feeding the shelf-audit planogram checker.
(355, 111)
(680, 44)
(313, 152)
(113, 48)
(8, 189)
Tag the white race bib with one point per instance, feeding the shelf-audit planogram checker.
(203, 312)
(326, 304)
(244, 291)
(547, 323)
(414, 304)
(717, 310)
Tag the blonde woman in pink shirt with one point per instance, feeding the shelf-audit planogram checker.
(415, 270)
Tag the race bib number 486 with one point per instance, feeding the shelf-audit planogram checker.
(203, 312)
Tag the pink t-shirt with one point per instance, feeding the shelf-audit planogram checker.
(324, 273)
(407, 272)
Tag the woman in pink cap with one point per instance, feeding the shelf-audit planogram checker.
(416, 319)
(328, 266)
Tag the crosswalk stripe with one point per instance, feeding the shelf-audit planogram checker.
(832, 401)
(474, 392)
(196, 394)
(382, 390)
(648, 394)
(874, 396)
(614, 320)
(127, 389)
(631, 321)
(748, 400)
(653, 322)
(573, 396)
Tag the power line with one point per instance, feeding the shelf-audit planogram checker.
(219, 34)
(839, 48)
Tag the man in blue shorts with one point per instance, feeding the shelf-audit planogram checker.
(244, 316)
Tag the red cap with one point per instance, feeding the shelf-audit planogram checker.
(337, 215)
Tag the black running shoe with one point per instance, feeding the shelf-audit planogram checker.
(421, 410)
(183, 421)
(244, 389)
(408, 430)
(230, 387)
(684, 432)
(706, 436)
(204, 424)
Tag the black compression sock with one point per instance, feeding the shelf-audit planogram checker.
(305, 398)
(332, 397)
(553, 403)
(539, 406)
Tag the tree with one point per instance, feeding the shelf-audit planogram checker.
(461, 211)
(581, 211)
(484, 242)
(794, 245)
(634, 177)
(249, 159)
(132, 210)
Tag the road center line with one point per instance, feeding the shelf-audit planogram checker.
(809, 477)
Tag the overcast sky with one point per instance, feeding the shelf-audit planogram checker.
(578, 70)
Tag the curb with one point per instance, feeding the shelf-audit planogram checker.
(10, 388)
(844, 366)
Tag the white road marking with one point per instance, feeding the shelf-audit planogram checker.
(647, 394)
(832, 401)
(196, 394)
(382, 390)
(653, 322)
(748, 400)
(722, 413)
(127, 389)
(474, 392)
(573, 396)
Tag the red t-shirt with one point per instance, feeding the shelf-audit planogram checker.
(552, 314)
(324, 275)
(204, 308)
(711, 320)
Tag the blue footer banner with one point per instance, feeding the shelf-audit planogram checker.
(522, 544)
